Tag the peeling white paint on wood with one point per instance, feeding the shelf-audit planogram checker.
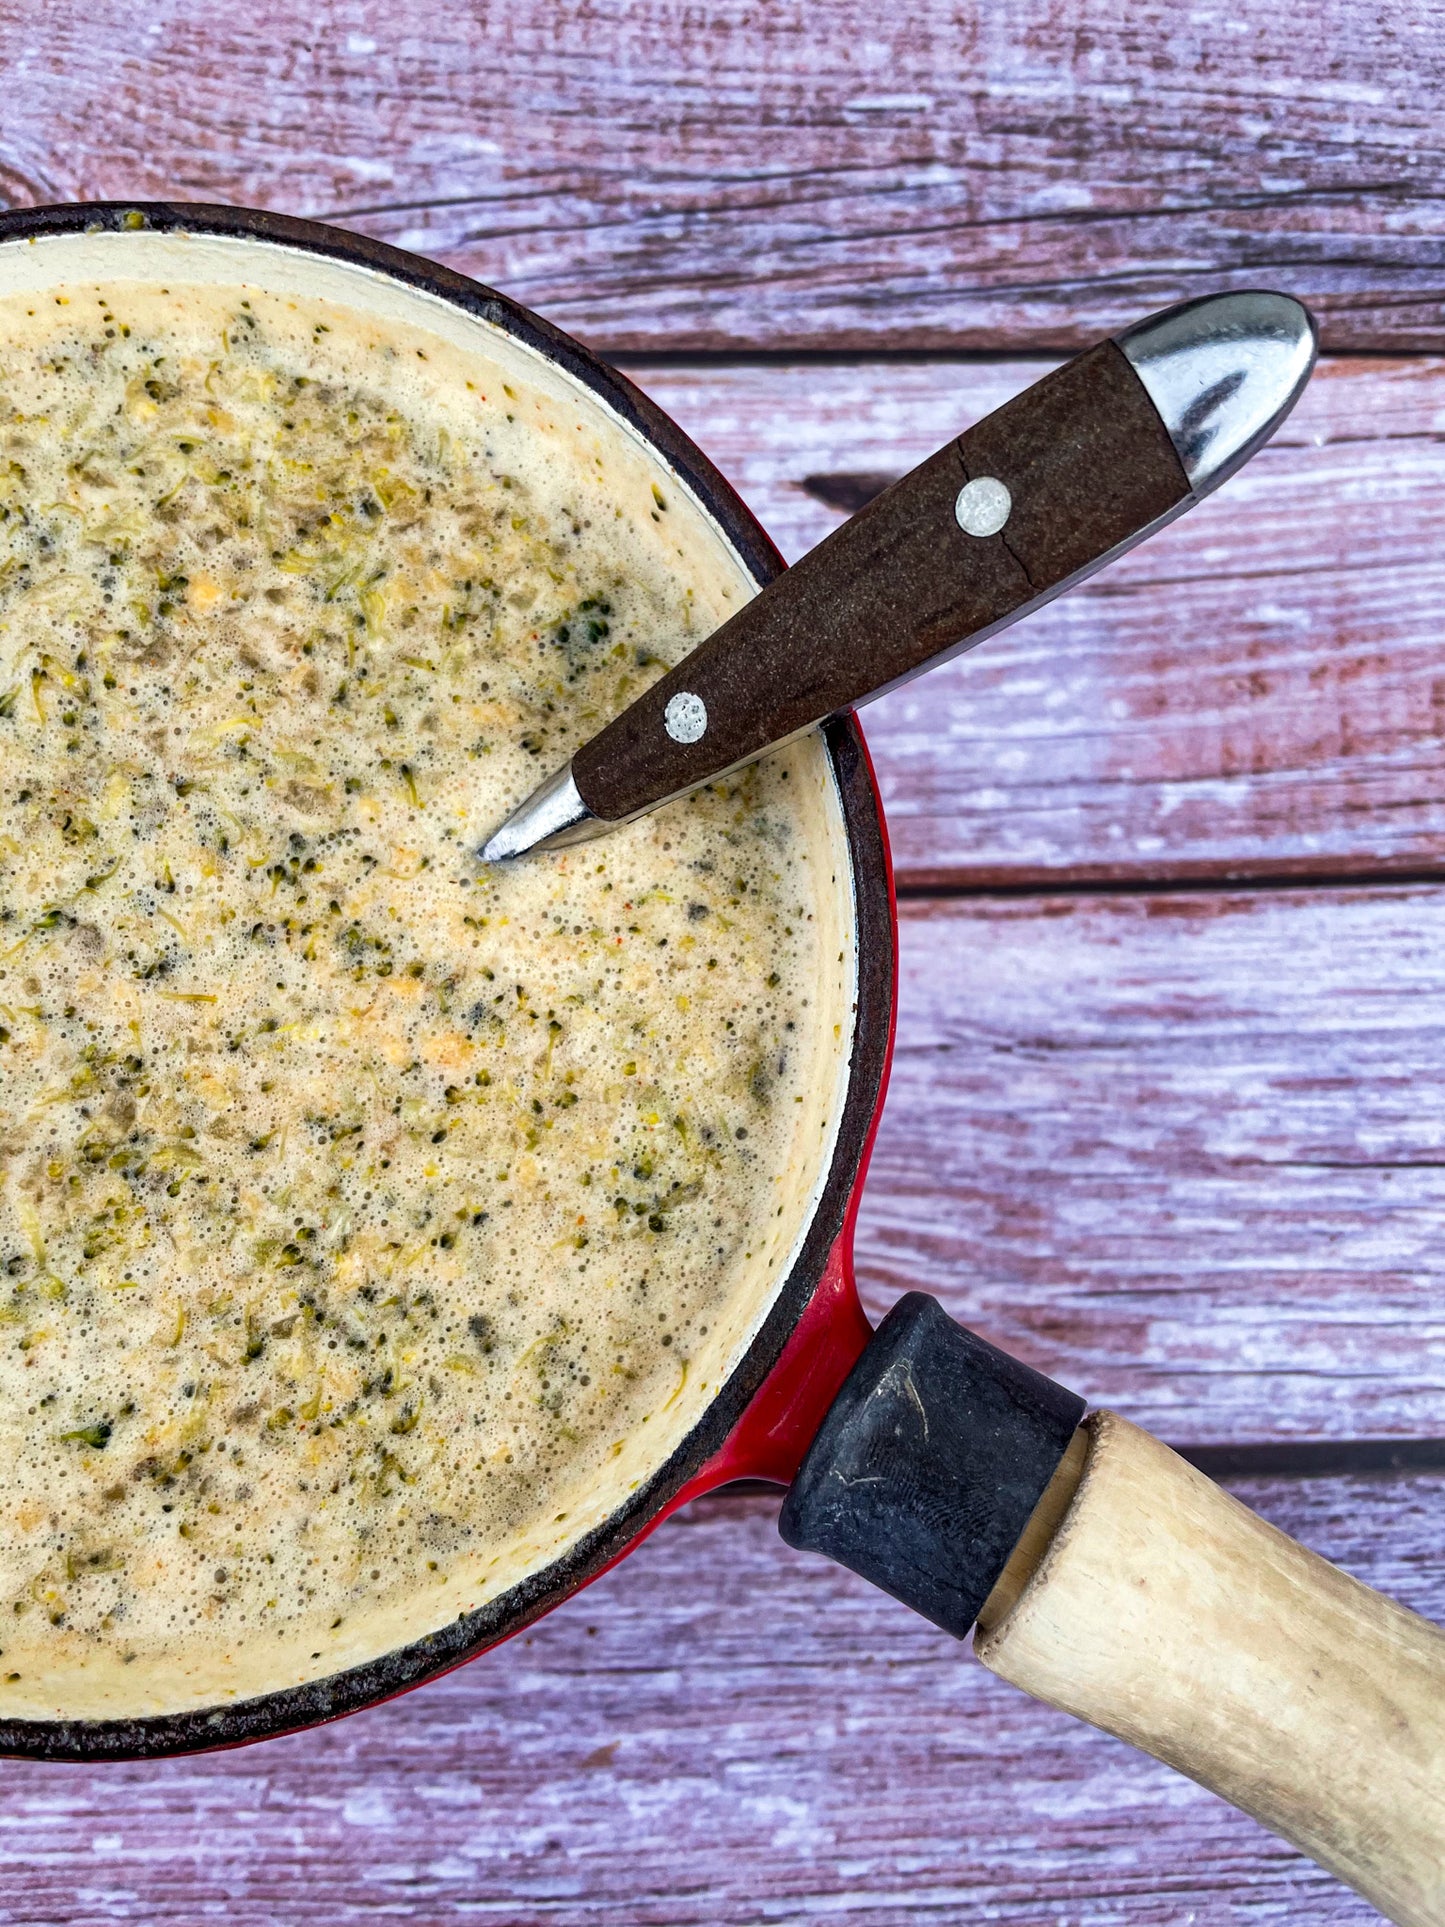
(758, 174)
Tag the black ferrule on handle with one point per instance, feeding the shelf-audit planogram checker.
(929, 1464)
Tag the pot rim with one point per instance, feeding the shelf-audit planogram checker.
(316, 1702)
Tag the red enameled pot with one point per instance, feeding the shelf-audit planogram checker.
(764, 1417)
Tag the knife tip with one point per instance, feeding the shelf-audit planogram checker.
(553, 816)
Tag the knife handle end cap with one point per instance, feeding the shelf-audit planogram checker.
(1223, 372)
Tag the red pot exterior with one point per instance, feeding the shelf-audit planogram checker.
(765, 1416)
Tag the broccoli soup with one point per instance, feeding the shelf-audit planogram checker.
(370, 1223)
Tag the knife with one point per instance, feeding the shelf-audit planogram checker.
(1092, 459)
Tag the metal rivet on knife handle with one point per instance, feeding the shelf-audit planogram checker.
(685, 718)
(983, 506)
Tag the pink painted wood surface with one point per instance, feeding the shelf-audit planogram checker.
(1259, 690)
(721, 1732)
(763, 171)
(1184, 1152)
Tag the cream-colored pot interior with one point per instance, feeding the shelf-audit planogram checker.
(461, 346)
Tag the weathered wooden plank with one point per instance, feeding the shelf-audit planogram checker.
(1184, 1152)
(1259, 690)
(755, 174)
(721, 1732)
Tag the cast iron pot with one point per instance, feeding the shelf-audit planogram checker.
(1104, 1574)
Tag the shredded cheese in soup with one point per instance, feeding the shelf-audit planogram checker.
(357, 1205)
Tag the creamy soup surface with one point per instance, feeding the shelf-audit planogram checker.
(359, 1208)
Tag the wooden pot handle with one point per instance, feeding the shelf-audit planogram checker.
(1114, 1581)
(1166, 1612)
(1111, 1579)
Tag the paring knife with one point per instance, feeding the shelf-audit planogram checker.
(1051, 486)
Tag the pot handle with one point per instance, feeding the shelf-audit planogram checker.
(1141, 1597)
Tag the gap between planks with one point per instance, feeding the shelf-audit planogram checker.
(911, 888)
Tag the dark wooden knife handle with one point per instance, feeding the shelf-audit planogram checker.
(1088, 465)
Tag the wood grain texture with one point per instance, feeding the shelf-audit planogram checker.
(1258, 691)
(765, 172)
(721, 1732)
(1184, 1153)
(1169, 1613)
